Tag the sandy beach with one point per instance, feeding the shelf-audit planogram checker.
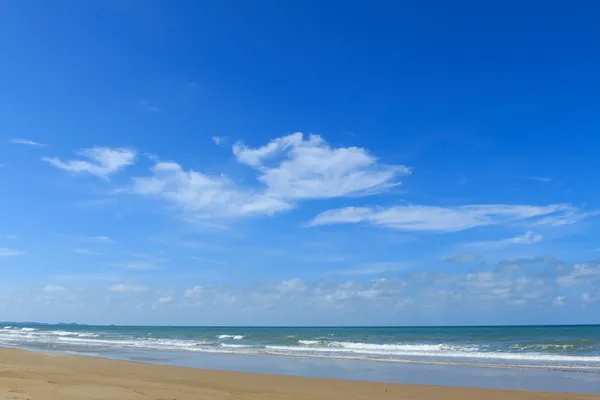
(36, 376)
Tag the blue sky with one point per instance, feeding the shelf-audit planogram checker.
(307, 163)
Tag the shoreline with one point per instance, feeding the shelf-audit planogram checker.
(40, 375)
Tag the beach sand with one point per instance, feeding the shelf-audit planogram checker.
(37, 376)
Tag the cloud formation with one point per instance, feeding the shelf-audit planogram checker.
(437, 218)
(6, 252)
(53, 289)
(294, 167)
(290, 169)
(101, 162)
(527, 238)
(127, 288)
(524, 287)
(97, 239)
(219, 140)
(26, 142)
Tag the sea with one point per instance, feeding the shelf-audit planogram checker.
(575, 348)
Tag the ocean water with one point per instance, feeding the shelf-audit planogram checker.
(567, 348)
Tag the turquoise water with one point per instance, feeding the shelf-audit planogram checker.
(549, 347)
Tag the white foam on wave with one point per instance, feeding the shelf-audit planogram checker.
(63, 333)
(309, 342)
(8, 327)
(424, 351)
(28, 329)
(87, 335)
(359, 346)
(234, 337)
(542, 346)
(393, 352)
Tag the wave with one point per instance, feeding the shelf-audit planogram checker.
(549, 347)
(234, 337)
(309, 342)
(538, 355)
(359, 346)
(416, 352)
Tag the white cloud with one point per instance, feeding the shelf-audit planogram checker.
(567, 218)
(219, 140)
(5, 252)
(26, 142)
(101, 161)
(139, 265)
(290, 169)
(127, 288)
(579, 274)
(491, 294)
(524, 239)
(558, 301)
(437, 219)
(585, 297)
(166, 299)
(374, 268)
(542, 179)
(98, 239)
(204, 196)
(149, 107)
(292, 285)
(194, 292)
(53, 289)
(86, 252)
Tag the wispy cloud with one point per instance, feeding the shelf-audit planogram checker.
(86, 252)
(559, 301)
(579, 274)
(138, 265)
(440, 219)
(5, 252)
(127, 288)
(143, 262)
(149, 107)
(309, 168)
(25, 142)
(524, 239)
(567, 218)
(374, 268)
(53, 289)
(542, 179)
(99, 239)
(290, 169)
(101, 161)
(219, 140)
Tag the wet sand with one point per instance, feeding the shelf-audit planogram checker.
(37, 376)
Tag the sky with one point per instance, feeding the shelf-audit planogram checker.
(299, 163)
